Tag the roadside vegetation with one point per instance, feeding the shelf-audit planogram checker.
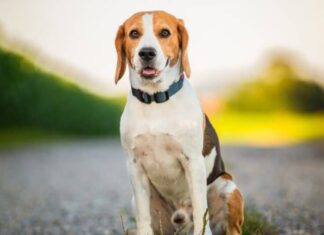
(256, 224)
(278, 107)
(35, 103)
(268, 129)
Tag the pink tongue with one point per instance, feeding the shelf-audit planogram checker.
(148, 71)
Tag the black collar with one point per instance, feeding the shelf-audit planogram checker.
(159, 97)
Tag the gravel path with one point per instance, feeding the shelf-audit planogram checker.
(83, 188)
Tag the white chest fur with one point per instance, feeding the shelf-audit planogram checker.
(160, 136)
(159, 156)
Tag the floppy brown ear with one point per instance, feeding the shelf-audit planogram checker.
(184, 38)
(121, 56)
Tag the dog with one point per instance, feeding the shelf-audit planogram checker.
(174, 161)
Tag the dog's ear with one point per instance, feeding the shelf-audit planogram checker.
(183, 39)
(121, 56)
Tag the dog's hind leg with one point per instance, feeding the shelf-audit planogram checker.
(225, 205)
(161, 213)
(217, 211)
(235, 206)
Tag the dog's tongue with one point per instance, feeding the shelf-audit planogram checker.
(148, 71)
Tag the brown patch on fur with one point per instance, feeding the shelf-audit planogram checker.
(211, 141)
(125, 46)
(169, 45)
(133, 23)
(184, 39)
(178, 40)
(121, 57)
(235, 206)
(210, 137)
(161, 213)
(227, 176)
(217, 211)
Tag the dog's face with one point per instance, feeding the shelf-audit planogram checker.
(151, 43)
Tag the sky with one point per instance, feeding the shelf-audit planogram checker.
(226, 37)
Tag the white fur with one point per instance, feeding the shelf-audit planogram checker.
(209, 161)
(224, 186)
(164, 143)
(149, 40)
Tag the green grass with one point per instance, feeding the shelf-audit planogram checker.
(276, 128)
(40, 102)
(279, 87)
(255, 224)
(19, 137)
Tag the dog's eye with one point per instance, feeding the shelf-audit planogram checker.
(165, 33)
(134, 34)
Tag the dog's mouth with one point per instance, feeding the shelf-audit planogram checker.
(150, 72)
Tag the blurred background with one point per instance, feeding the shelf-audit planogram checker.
(257, 66)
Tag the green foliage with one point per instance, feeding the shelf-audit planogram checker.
(255, 224)
(268, 129)
(279, 88)
(32, 98)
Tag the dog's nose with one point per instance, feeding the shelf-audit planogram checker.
(147, 53)
(179, 219)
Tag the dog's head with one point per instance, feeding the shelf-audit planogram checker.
(151, 43)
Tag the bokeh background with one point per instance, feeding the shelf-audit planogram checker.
(257, 66)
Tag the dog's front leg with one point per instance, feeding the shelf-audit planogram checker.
(141, 189)
(196, 178)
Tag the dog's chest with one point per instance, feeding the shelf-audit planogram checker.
(160, 154)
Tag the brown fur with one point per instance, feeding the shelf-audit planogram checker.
(169, 45)
(217, 212)
(225, 212)
(184, 39)
(211, 141)
(124, 45)
(178, 40)
(235, 206)
(227, 176)
(210, 137)
(121, 57)
(161, 213)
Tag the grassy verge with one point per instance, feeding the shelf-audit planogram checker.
(255, 224)
(266, 129)
(34, 99)
(18, 137)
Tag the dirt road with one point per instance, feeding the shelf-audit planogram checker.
(82, 187)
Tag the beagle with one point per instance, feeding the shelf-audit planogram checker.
(174, 161)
